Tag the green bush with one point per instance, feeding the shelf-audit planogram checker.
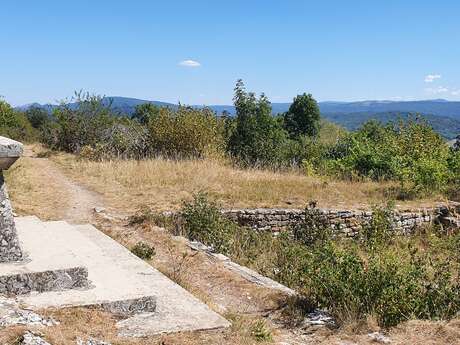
(408, 152)
(313, 229)
(204, 222)
(303, 117)
(37, 117)
(143, 250)
(82, 125)
(186, 133)
(260, 331)
(379, 231)
(15, 125)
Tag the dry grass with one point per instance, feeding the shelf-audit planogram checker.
(164, 184)
(33, 192)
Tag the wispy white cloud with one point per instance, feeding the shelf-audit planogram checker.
(189, 63)
(455, 92)
(437, 90)
(432, 77)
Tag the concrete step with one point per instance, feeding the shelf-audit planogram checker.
(121, 283)
(45, 267)
(106, 280)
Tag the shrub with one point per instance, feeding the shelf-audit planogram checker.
(37, 117)
(409, 152)
(143, 250)
(314, 229)
(186, 133)
(260, 331)
(204, 222)
(144, 112)
(124, 139)
(80, 125)
(15, 125)
(379, 231)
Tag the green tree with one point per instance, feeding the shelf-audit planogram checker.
(144, 112)
(258, 138)
(37, 116)
(303, 116)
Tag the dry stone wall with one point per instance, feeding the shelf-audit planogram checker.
(347, 222)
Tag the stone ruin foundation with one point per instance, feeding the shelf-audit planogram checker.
(10, 249)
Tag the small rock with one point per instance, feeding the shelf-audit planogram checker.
(91, 341)
(319, 318)
(99, 209)
(379, 338)
(33, 338)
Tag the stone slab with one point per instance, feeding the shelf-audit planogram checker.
(118, 275)
(10, 148)
(44, 267)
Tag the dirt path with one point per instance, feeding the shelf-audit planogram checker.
(82, 201)
(78, 202)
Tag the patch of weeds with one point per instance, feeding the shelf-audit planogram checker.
(45, 154)
(179, 263)
(261, 332)
(314, 229)
(379, 230)
(146, 215)
(143, 250)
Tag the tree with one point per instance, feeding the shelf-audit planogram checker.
(303, 116)
(144, 112)
(258, 138)
(37, 116)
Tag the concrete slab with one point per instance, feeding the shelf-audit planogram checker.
(44, 267)
(117, 275)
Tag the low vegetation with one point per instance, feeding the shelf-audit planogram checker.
(378, 274)
(407, 153)
(143, 250)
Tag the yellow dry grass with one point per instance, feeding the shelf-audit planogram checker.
(33, 192)
(163, 184)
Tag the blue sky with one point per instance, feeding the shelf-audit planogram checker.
(336, 50)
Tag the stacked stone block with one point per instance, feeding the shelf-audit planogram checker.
(347, 222)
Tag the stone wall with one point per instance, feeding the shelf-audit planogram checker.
(347, 222)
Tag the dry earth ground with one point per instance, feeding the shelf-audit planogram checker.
(54, 191)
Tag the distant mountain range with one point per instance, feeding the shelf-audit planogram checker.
(443, 115)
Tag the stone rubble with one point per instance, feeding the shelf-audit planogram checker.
(91, 341)
(11, 314)
(319, 318)
(33, 338)
(379, 338)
